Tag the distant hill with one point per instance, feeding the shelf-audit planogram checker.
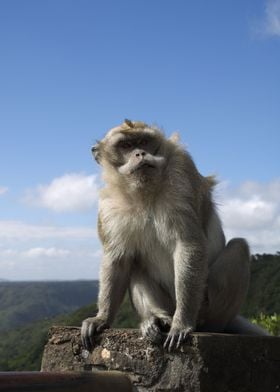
(25, 302)
(22, 348)
(264, 291)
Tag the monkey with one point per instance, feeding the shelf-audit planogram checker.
(163, 242)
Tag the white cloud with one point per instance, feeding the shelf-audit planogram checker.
(270, 24)
(252, 211)
(8, 253)
(3, 190)
(20, 231)
(72, 192)
(36, 252)
(46, 252)
(53, 263)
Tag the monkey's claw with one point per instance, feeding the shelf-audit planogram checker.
(90, 327)
(176, 337)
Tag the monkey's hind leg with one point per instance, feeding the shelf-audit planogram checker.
(154, 306)
(228, 283)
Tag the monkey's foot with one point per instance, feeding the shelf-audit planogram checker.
(176, 337)
(153, 328)
(90, 327)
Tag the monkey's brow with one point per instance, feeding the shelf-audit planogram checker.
(130, 136)
(114, 139)
(136, 139)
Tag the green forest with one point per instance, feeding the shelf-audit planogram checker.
(22, 303)
(21, 344)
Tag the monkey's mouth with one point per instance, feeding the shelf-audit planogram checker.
(144, 166)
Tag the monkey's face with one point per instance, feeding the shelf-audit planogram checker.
(138, 154)
(133, 152)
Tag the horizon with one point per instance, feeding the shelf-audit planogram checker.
(3, 280)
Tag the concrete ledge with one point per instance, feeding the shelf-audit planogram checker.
(208, 362)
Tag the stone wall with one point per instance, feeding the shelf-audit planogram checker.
(208, 362)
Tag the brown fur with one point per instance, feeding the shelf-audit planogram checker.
(163, 240)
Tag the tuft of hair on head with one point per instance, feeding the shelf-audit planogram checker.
(129, 123)
(134, 124)
(175, 138)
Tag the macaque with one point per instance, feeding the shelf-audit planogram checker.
(163, 242)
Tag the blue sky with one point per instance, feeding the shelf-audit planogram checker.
(70, 70)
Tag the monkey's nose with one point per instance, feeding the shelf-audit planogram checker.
(140, 153)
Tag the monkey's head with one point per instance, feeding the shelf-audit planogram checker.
(132, 153)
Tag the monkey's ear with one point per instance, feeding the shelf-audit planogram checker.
(175, 138)
(95, 149)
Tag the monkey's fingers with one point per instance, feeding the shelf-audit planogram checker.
(99, 328)
(170, 342)
(90, 333)
(182, 337)
(90, 327)
(85, 335)
(176, 338)
(154, 334)
(180, 340)
(151, 331)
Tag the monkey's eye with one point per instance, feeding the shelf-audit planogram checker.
(125, 145)
(143, 142)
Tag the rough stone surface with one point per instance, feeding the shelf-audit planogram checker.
(208, 362)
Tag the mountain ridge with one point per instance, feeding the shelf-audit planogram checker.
(24, 302)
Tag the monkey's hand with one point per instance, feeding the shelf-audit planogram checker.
(90, 327)
(176, 337)
(154, 327)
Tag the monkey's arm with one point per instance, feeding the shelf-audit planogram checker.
(113, 285)
(190, 268)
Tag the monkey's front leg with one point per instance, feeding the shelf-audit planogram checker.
(112, 287)
(190, 268)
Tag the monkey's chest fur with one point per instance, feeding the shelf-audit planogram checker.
(145, 237)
